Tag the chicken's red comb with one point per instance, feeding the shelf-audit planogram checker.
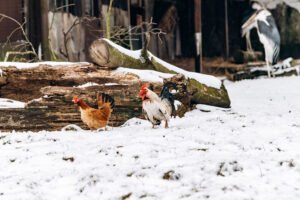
(145, 86)
(75, 99)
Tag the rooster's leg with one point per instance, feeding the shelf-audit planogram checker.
(166, 125)
(152, 125)
(105, 128)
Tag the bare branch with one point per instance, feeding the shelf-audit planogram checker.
(20, 27)
(16, 53)
(11, 34)
(122, 34)
(65, 6)
(66, 39)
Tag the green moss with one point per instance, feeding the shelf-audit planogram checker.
(161, 68)
(203, 94)
(125, 60)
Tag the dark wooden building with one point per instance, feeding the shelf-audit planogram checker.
(14, 9)
(219, 22)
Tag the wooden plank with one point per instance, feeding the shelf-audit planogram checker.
(198, 35)
(226, 30)
(45, 30)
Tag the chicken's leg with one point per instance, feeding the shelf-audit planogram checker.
(269, 69)
(166, 125)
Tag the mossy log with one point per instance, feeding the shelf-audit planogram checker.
(106, 54)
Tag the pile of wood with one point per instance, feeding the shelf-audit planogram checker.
(287, 67)
(48, 90)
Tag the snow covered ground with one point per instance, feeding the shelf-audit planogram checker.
(250, 151)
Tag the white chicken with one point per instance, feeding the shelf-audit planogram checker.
(157, 108)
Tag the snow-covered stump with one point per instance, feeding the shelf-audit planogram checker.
(48, 89)
(287, 67)
(205, 89)
(257, 72)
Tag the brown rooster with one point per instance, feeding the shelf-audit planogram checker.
(96, 118)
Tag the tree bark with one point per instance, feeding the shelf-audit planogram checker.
(45, 30)
(106, 55)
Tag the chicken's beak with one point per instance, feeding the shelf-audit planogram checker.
(141, 94)
(74, 100)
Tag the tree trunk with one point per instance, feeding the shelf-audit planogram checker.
(45, 30)
(106, 54)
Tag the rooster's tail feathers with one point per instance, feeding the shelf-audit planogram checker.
(165, 89)
(167, 85)
(105, 98)
(165, 94)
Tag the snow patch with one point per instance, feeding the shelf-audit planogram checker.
(89, 84)
(298, 69)
(287, 62)
(176, 104)
(208, 80)
(134, 121)
(22, 65)
(134, 54)
(9, 103)
(284, 70)
(208, 108)
(147, 75)
(71, 127)
(173, 91)
(111, 84)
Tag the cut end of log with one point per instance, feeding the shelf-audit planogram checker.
(99, 52)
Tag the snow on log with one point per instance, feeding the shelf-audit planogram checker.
(205, 89)
(8, 103)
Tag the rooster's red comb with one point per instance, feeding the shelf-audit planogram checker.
(145, 86)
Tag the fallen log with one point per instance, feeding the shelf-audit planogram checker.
(204, 89)
(48, 91)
